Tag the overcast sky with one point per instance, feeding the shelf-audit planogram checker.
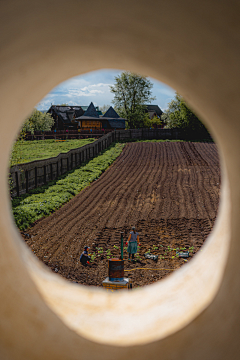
(94, 86)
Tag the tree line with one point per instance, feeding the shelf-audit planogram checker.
(132, 92)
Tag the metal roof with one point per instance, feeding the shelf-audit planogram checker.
(111, 113)
(91, 111)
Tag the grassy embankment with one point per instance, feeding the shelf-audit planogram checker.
(46, 199)
(26, 151)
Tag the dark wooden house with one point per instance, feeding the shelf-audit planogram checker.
(65, 116)
(111, 120)
(154, 110)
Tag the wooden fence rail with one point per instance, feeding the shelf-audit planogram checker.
(25, 177)
(64, 135)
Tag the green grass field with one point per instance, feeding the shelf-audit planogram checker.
(26, 151)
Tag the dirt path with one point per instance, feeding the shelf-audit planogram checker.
(169, 191)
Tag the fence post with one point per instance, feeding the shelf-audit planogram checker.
(26, 179)
(35, 180)
(51, 172)
(44, 174)
(17, 182)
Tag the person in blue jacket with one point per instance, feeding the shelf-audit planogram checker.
(84, 258)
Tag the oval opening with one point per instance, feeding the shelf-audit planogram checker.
(82, 308)
(171, 180)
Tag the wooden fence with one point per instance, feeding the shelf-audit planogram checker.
(25, 177)
(64, 135)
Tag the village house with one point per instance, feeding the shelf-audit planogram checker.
(153, 110)
(111, 120)
(64, 116)
(90, 119)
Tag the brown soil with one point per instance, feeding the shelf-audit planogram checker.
(169, 191)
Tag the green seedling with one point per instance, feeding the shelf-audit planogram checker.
(108, 252)
(100, 251)
(155, 247)
(138, 256)
(93, 257)
(116, 247)
(125, 248)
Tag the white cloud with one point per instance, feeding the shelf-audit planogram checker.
(95, 86)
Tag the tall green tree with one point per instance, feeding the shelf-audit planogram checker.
(131, 94)
(38, 121)
(179, 115)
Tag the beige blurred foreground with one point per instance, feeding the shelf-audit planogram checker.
(193, 47)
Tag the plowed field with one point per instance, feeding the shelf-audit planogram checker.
(168, 190)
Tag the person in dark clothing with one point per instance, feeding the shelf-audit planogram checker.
(84, 258)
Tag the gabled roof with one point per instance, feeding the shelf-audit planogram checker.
(65, 112)
(154, 108)
(83, 117)
(111, 113)
(91, 111)
(84, 107)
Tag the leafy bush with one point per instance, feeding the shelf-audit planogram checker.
(48, 198)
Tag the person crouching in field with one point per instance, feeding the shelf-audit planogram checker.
(133, 242)
(84, 258)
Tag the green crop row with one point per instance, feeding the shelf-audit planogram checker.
(46, 199)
